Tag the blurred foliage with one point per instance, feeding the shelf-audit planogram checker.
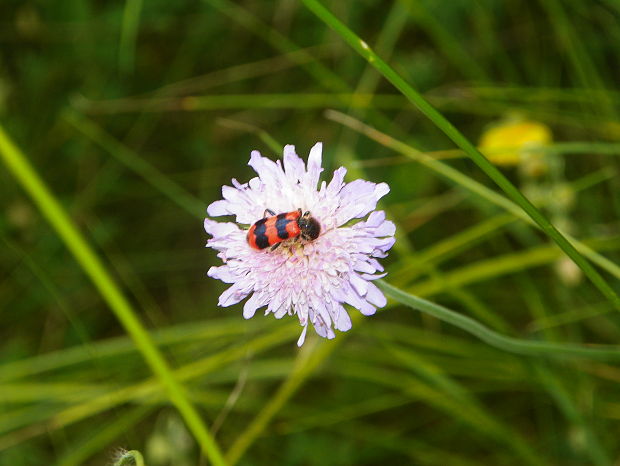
(135, 113)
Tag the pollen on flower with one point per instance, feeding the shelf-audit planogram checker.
(317, 269)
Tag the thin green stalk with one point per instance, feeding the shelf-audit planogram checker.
(510, 92)
(502, 342)
(190, 371)
(237, 13)
(572, 413)
(486, 22)
(245, 71)
(437, 397)
(307, 361)
(395, 21)
(129, 31)
(114, 347)
(337, 415)
(199, 103)
(579, 58)
(497, 266)
(470, 149)
(147, 389)
(20, 168)
(466, 182)
(322, 74)
(479, 417)
(449, 247)
(78, 454)
(564, 318)
(449, 44)
(416, 450)
(263, 135)
(25, 416)
(53, 392)
(129, 458)
(130, 159)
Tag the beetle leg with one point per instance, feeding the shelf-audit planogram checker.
(275, 246)
(268, 211)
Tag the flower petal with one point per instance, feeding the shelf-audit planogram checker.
(220, 229)
(387, 228)
(359, 284)
(358, 198)
(375, 218)
(350, 296)
(218, 208)
(337, 181)
(342, 320)
(293, 166)
(223, 273)
(314, 165)
(251, 305)
(375, 295)
(268, 171)
(302, 337)
(234, 294)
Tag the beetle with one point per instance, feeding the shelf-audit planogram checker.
(272, 230)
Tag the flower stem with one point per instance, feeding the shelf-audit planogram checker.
(502, 342)
(130, 458)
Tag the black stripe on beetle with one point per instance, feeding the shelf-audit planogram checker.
(281, 223)
(260, 232)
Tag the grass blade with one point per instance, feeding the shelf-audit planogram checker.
(470, 149)
(466, 182)
(504, 343)
(307, 361)
(51, 209)
(131, 160)
(129, 31)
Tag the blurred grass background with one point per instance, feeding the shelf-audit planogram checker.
(135, 113)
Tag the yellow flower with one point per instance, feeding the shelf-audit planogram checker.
(512, 141)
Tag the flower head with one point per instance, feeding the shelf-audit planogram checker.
(516, 142)
(311, 278)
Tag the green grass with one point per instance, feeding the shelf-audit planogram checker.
(23, 172)
(121, 122)
(460, 140)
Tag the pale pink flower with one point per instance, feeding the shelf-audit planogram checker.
(312, 279)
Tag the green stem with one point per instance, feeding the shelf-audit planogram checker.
(51, 209)
(306, 363)
(131, 160)
(443, 124)
(504, 343)
(130, 458)
(463, 180)
(129, 31)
